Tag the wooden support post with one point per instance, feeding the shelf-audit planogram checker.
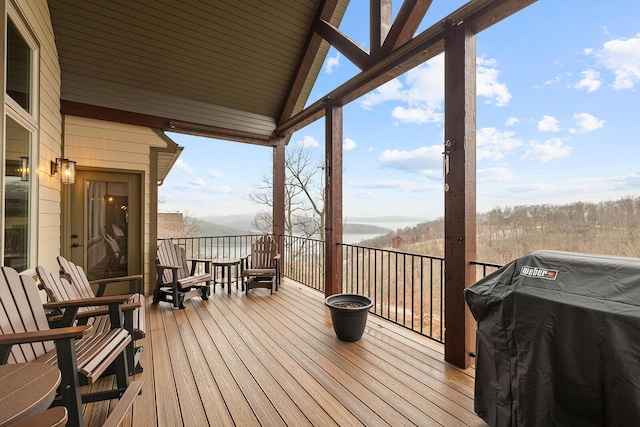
(460, 192)
(278, 192)
(333, 198)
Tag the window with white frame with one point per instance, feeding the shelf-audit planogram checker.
(19, 144)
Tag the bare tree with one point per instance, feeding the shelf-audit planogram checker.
(191, 226)
(304, 196)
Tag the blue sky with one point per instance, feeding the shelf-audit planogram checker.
(557, 121)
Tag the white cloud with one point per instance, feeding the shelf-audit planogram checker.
(390, 91)
(622, 57)
(308, 142)
(511, 121)
(551, 149)
(391, 184)
(494, 175)
(587, 123)
(424, 160)
(548, 124)
(348, 144)
(222, 189)
(487, 83)
(417, 115)
(183, 166)
(422, 91)
(492, 143)
(591, 81)
(196, 184)
(556, 79)
(214, 173)
(331, 63)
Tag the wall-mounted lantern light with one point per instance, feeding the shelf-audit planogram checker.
(24, 168)
(67, 169)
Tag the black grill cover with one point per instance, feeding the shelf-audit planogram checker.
(558, 341)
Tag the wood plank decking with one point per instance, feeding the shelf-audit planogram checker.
(273, 360)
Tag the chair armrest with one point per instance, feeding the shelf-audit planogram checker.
(90, 302)
(244, 262)
(72, 315)
(170, 267)
(194, 264)
(131, 306)
(133, 279)
(116, 279)
(48, 335)
(276, 256)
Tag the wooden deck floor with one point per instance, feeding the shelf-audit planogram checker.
(273, 360)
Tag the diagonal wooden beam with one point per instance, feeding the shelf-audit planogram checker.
(405, 25)
(344, 44)
(326, 11)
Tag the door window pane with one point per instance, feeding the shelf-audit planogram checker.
(16, 193)
(107, 229)
(18, 67)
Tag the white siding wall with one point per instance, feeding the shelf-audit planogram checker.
(36, 14)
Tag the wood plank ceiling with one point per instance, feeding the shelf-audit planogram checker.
(223, 68)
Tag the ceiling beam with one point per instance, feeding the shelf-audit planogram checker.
(162, 123)
(477, 15)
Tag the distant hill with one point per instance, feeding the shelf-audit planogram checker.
(387, 218)
(505, 233)
(208, 228)
(240, 222)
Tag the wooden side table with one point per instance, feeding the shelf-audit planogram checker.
(26, 389)
(226, 264)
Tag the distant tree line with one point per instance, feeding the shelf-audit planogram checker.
(505, 233)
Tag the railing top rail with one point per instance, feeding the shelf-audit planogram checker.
(392, 251)
(487, 264)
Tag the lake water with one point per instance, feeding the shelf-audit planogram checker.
(357, 238)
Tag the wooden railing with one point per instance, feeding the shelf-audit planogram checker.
(406, 288)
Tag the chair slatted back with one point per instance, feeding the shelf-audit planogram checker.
(21, 311)
(263, 252)
(59, 289)
(171, 254)
(75, 275)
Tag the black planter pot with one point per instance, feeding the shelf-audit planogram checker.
(349, 315)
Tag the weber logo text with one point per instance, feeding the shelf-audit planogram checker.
(542, 273)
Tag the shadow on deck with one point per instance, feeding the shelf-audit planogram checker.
(273, 360)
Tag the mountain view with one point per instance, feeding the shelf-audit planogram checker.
(504, 233)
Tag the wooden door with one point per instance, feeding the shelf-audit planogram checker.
(104, 224)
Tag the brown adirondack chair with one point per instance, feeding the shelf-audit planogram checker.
(176, 281)
(59, 289)
(261, 268)
(80, 356)
(134, 320)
